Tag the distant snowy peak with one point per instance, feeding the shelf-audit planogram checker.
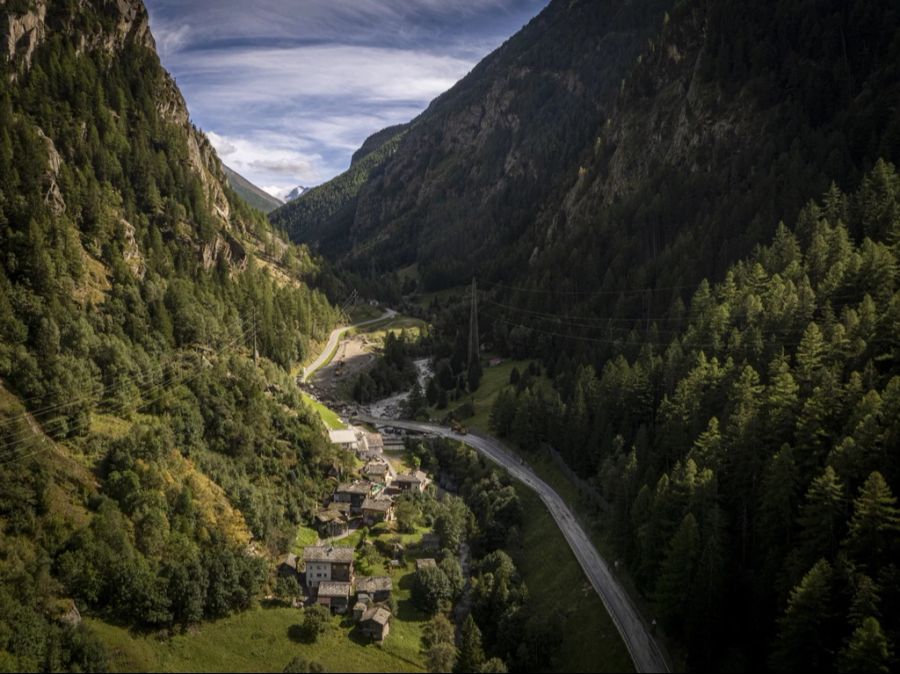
(298, 191)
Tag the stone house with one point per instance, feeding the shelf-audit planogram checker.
(376, 510)
(376, 623)
(326, 563)
(413, 481)
(374, 589)
(335, 595)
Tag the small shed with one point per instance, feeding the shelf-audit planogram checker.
(287, 565)
(425, 563)
(376, 623)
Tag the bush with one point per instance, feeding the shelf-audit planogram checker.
(316, 619)
(301, 665)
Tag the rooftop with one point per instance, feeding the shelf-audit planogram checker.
(380, 504)
(331, 588)
(328, 553)
(342, 437)
(378, 614)
(418, 476)
(357, 487)
(425, 563)
(370, 584)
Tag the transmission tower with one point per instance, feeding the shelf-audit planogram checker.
(473, 327)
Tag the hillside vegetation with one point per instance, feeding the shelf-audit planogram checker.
(148, 465)
(746, 447)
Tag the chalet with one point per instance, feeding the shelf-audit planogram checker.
(412, 481)
(345, 439)
(376, 623)
(354, 493)
(378, 471)
(375, 510)
(333, 520)
(374, 588)
(327, 563)
(335, 595)
(425, 563)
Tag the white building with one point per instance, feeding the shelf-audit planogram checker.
(327, 563)
(345, 438)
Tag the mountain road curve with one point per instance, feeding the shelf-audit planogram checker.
(333, 339)
(645, 652)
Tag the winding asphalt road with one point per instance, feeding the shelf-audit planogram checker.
(333, 339)
(645, 652)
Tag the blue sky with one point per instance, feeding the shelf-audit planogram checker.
(287, 90)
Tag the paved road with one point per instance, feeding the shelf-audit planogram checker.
(645, 653)
(332, 343)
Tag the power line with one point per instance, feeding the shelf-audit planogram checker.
(119, 385)
(157, 390)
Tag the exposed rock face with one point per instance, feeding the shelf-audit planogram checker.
(23, 32)
(53, 196)
(132, 252)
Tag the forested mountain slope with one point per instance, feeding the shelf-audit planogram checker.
(746, 449)
(141, 449)
(607, 143)
(325, 213)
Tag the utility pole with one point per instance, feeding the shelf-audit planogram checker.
(473, 327)
(255, 350)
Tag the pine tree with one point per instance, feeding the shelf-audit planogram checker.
(803, 642)
(677, 572)
(821, 516)
(810, 356)
(875, 525)
(868, 650)
(471, 652)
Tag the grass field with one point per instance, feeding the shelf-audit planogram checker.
(305, 536)
(492, 381)
(555, 581)
(364, 312)
(331, 420)
(378, 331)
(257, 641)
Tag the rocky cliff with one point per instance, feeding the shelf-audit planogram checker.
(103, 31)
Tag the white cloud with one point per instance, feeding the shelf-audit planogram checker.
(223, 146)
(287, 90)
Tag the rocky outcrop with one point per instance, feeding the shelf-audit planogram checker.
(23, 33)
(53, 196)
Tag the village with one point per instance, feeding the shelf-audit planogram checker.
(329, 572)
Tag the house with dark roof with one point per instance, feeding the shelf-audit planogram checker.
(378, 470)
(376, 623)
(326, 563)
(354, 493)
(373, 588)
(333, 521)
(413, 481)
(376, 510)
(335, 595)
